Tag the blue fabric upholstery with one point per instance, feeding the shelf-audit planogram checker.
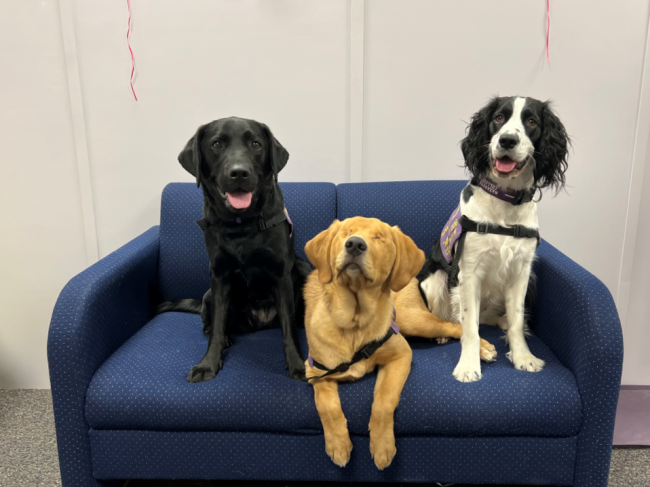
(123, 409)
(241, 456)
(419, 208)
(577, 318)
(184, 268)
(254, 393)
(97, 311)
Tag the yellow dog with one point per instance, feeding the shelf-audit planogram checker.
(365, 275)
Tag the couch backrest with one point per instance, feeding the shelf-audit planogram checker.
(183, 261)
(419, 208)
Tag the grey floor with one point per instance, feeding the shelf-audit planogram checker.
(28, 454)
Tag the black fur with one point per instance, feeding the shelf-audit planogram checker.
(549, 138)
(256, 277)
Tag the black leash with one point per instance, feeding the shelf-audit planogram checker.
(364, 353)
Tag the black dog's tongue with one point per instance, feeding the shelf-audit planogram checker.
(240, 199)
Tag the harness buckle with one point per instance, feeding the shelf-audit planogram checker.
(485, 227)
(517, 231)
(262, 225)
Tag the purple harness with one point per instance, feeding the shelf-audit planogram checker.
(364, 353)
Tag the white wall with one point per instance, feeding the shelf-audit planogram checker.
(428, 66)
(42, 242)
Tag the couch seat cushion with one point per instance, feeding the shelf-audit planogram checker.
(142, 386)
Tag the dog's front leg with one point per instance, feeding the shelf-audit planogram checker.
(388, 388)
(337, 439)
(519, 353)
(285, 306)
(211, 363)
(468, 368)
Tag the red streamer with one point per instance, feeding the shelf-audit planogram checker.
(548, 28)
(128, 33)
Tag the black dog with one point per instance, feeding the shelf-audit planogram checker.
(256, 278)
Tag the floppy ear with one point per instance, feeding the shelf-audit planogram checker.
(277, 153)
(409, 260)
(190, 156)
(476, 143)
(553, 151)
(318, 251)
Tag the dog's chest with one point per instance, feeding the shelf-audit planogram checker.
(498, 257)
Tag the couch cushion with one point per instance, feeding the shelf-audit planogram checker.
(183, 264)
(142, 386)
(419, 208)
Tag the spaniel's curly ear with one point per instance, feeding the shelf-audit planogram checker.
(409, 260)
(552, 151)
(318, 251)
(190, 156)
(475, 145)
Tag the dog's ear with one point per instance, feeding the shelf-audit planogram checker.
(552, 151)
(190, 156)
(476, 143)
(277, 153)
(409, 260)
(318, 251)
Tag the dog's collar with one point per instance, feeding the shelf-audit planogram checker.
(364, 352)
(510, 195)
(261, 222)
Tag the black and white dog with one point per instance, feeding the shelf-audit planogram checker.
(480, 268)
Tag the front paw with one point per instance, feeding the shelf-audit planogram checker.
(527, 362)
(296, 368)
(382, 449)
(298, 372)
(203, 372)
(488, 352)
(468, 370)
(339, 449)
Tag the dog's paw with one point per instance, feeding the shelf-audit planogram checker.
(488, 352)
(382, 450)
(203, 373)
(339, 450)
(442, 340)
(296, 369)
(527, 362)
(468, 371)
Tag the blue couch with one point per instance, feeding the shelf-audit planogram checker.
(123, 408)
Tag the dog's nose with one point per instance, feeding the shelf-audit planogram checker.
(355, 246)
(239, 171)
(508, 141)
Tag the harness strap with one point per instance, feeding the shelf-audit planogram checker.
(261, 223)
(517, 231)
(364, 352)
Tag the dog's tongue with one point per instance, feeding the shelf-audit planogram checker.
(505, 165)
(240, 199)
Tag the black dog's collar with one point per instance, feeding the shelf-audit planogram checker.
(364, 352)
(513, 197)
(261, 222)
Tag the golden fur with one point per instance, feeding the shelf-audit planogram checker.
(349, 303)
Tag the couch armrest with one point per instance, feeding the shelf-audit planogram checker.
(97, 311)
(576, 317)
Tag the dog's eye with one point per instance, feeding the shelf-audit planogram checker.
(378, 237)
(498, 118)
(217, 145)
(256, 145)
(531, 122)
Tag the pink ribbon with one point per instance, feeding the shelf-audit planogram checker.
(128, 33)
(548, 28)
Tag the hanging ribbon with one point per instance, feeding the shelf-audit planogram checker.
(128, 33)
(548, 28)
